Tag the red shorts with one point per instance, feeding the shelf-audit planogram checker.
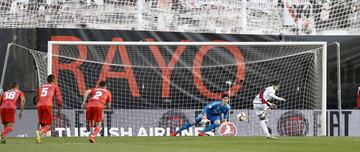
(94, 113)
(7, 115)
(45, 115)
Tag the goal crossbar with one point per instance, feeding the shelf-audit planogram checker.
(141, 43)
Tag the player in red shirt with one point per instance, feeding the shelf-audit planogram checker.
(45, 98)
(8, 104)
(94, 108)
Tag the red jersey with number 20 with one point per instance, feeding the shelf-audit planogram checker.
(99, 97)
(9, 98)
(46, 95)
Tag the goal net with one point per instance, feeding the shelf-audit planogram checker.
(159, 86)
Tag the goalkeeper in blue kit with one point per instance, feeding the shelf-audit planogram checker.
(211, 112)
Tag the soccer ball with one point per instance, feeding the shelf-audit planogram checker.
(241, 116)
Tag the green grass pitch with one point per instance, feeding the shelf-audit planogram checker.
(185, 144)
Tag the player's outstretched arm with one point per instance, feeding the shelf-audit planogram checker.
(276, 97)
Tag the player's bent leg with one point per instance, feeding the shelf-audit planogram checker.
(44, 130)
(45, 121)
(6, 129)
(97, 118)
(97, 128)
(264, 126)
(96, 131)
(198, 119)
(186, 126)
(8, 119)
(209, 128)
(265, 114)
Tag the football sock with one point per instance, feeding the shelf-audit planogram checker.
(96, 131)
(264, 127)
(7, 130)
(45, 129)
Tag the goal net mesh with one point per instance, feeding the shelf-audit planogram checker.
(161, 87)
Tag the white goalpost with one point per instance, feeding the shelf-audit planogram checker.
(159, 86)
(151, 80)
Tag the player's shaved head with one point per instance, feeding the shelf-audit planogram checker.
(14, 85)
(51, 78)
(102, 84)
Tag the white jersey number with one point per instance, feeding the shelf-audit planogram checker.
(10, 95)
(44, 92)
(97, 95)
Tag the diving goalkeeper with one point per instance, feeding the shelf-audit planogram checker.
(211, 112)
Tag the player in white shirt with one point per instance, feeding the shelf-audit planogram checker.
(262, 105)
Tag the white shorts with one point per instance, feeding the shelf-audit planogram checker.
(260, 108)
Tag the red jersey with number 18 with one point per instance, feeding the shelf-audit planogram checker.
(10, 98)
(99, 97)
